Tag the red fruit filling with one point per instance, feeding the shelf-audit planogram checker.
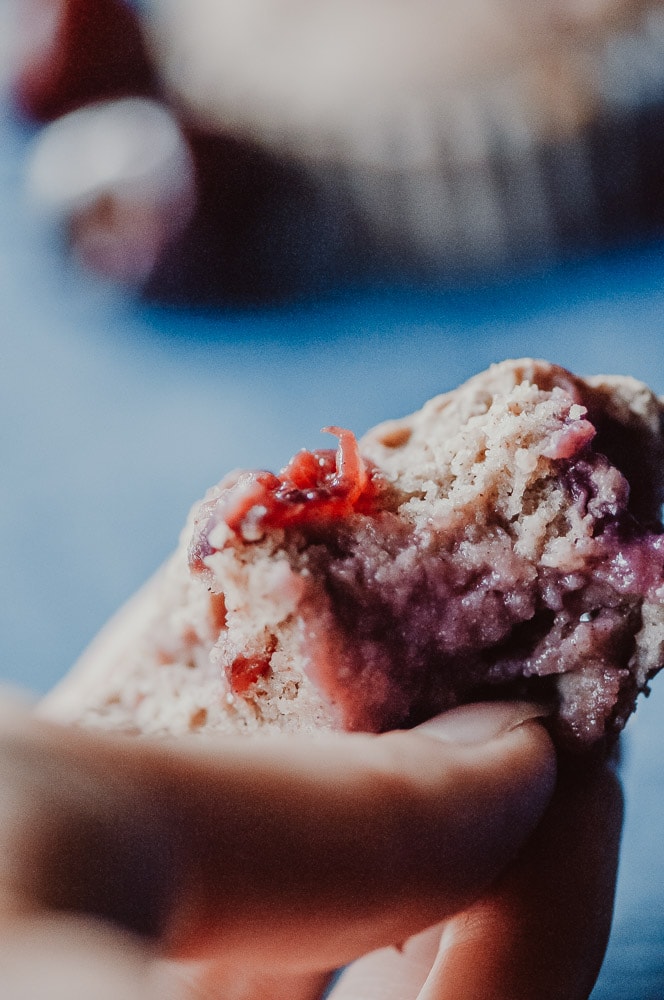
(244, 671)
(314, 488)
(404, 620)
(218, 612)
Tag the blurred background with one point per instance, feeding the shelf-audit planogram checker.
(225, 225)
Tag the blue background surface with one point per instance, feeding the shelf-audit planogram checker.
(115, 416)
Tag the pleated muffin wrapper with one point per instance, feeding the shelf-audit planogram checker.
(435, 138)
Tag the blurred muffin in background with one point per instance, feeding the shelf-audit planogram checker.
(338, 139)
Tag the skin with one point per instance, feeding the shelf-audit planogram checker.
(186, 871)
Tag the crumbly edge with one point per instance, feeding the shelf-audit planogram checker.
(444, 435)
(470, 449)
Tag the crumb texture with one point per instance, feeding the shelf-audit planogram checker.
(503, 541)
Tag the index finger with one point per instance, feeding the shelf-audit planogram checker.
(298, 852)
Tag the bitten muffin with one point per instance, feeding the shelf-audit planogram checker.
(504, 541)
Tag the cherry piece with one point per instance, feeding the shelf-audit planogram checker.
(244, 671)
(315, 487)
(71, 52)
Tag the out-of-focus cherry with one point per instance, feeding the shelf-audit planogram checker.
(71, 52)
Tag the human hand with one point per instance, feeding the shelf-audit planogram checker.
(247, 869)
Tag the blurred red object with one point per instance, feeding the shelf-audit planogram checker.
(71, 52)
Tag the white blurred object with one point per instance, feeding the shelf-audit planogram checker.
(121, 176)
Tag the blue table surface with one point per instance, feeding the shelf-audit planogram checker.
(115, 416)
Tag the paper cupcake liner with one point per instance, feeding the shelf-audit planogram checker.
(505, 168)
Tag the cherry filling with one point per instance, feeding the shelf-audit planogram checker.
(244, 671)
(315, 487)
(422, 618)
(218, 611)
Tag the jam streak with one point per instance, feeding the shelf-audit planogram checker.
(314, 487)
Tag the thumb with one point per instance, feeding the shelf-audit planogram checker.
(301, 852)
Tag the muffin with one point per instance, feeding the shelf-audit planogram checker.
(504, 541)
(453, 138)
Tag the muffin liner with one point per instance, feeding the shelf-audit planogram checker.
(523, 159)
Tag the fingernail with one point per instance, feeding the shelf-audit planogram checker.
(481, 722)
